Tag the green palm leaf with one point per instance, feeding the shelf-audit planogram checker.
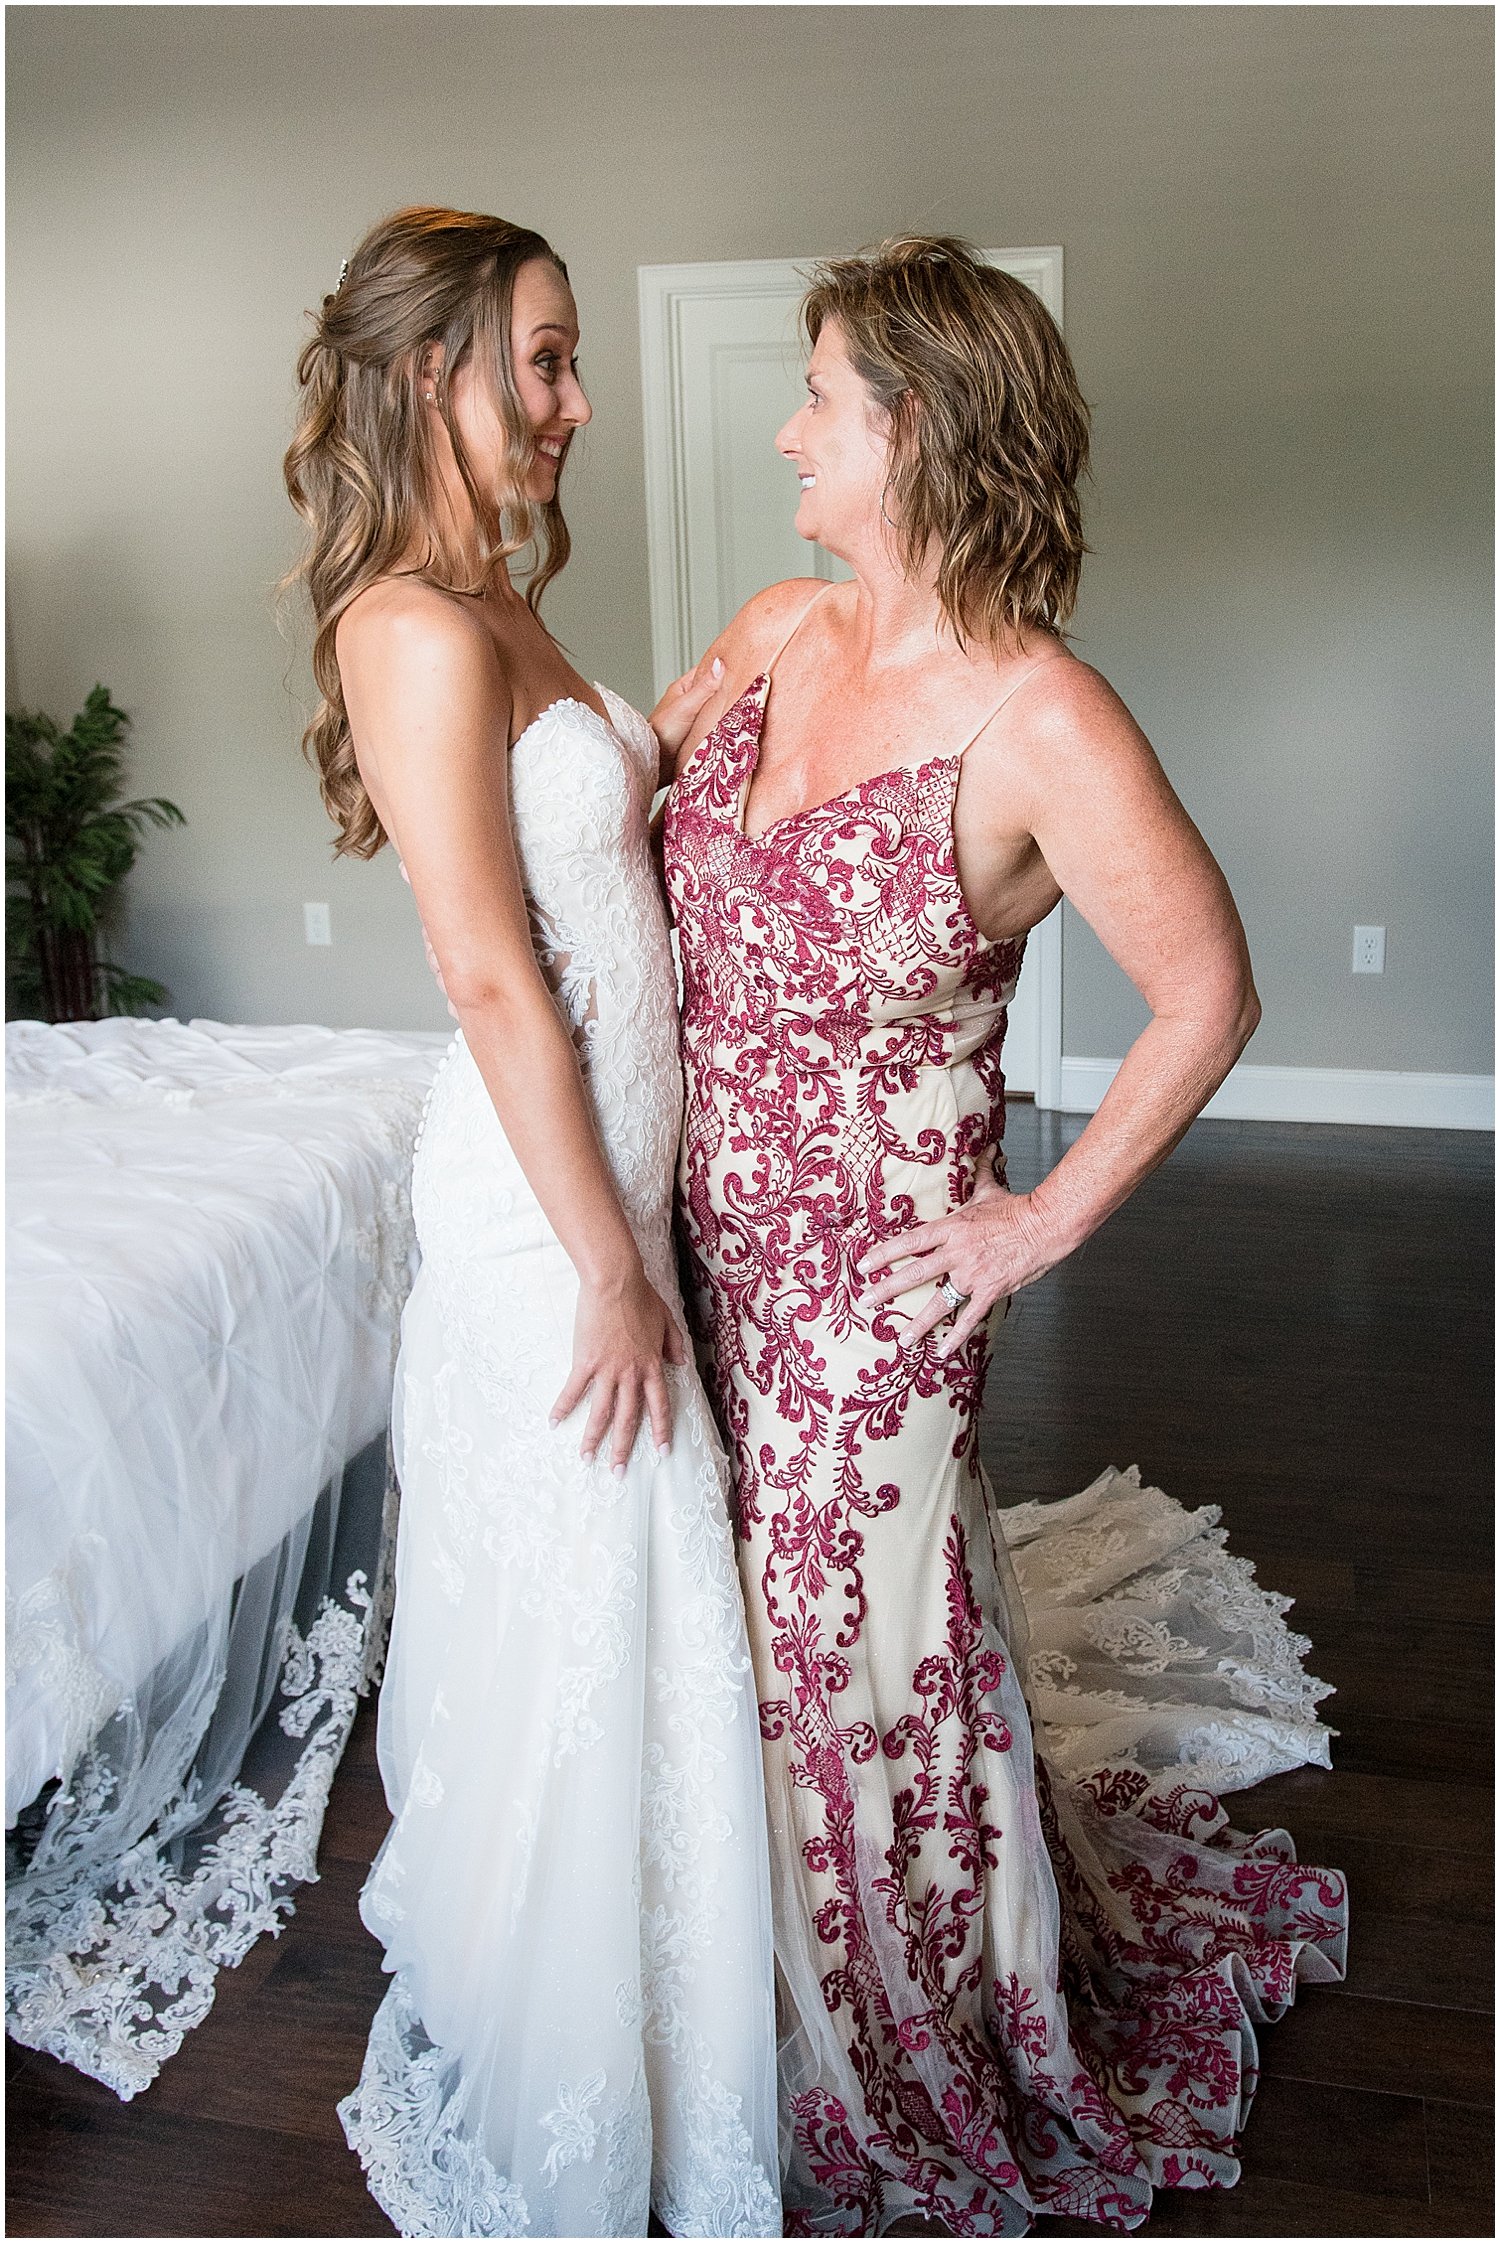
(69, 843)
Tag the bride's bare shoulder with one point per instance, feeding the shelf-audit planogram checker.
(401, 620)
(424, 682)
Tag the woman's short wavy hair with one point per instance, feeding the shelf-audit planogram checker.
(989, 430)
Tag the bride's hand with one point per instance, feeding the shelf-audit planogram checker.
(622, 1334)
(988, 1249)
(677, 712)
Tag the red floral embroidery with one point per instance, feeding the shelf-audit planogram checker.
(843, 1019)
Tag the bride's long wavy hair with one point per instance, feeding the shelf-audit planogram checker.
(361, 469)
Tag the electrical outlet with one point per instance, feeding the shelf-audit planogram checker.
(1369, 950)
(318, 922)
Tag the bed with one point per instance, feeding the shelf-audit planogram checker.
(209, 1246)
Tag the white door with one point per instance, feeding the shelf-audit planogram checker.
(721, 364)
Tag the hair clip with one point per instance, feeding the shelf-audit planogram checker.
(343, 275)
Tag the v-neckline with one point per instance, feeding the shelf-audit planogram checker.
(809, 809)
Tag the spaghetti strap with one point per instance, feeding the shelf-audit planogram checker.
(796, 627)
(1014, 687)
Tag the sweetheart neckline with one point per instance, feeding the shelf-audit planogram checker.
(572, 701)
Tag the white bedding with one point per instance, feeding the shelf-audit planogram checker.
(208, 1248)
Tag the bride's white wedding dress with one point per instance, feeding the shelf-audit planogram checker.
(574, 1895)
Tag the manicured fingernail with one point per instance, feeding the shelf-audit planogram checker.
(718, 667)
(554, 1421)
(618, 1471)
(663, 1449)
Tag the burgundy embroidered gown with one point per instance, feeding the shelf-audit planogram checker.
(1018, 1967)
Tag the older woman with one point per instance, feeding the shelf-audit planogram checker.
(1009, 1983)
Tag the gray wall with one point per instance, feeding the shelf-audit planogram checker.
(1276, 224)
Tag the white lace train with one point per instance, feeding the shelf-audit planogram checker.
(574, 1895)
(1152, 1647)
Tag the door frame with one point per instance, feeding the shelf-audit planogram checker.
(663, 291)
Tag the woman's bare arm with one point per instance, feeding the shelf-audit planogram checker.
(430, 710)
(1128, 857)
(1125, 853)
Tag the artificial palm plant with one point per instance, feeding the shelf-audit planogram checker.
(69, 842)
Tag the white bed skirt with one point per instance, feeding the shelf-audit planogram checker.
(113, 1948)
(210, 1243)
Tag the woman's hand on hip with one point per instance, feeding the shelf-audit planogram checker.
(623, 1333)
(987, 1249)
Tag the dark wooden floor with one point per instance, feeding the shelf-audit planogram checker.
(1292, 1322)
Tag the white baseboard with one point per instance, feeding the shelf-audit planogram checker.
(1376, 1096)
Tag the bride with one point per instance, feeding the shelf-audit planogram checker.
(573, 1897)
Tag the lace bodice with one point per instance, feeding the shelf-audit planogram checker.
(580, 794)
(580, 797)
(839, 937)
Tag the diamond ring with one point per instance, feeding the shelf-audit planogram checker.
(951, 1294)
